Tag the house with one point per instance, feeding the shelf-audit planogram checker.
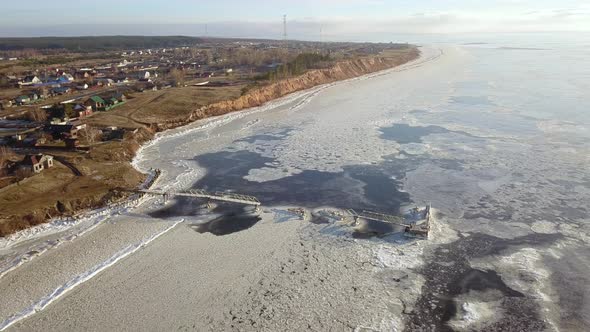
(22, 100)
(41, 93)
(37, 163)
(104, 82)
(30, 80)
(120, 97)
(62, 80)
(111, 133)
(20, 137)
(145, 77)
(67, 77)
(60, 90)
(83, 110)
(206, 74)
(64, 131)
(123, 79)
(96, 102)
(112, 103)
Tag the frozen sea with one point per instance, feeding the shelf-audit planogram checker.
(493, 132)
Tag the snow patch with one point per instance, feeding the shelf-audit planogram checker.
(81, 278)
(68, 229)
(399, 257)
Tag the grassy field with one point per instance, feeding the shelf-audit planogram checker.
(165, 105)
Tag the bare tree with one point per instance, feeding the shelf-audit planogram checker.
(37, 115)
(6, 155)
(194, 52)
(44, 92)
(90, 135)
(208, 56)
(89, 80)
(178, 76)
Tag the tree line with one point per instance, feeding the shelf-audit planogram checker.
(100, 43)
(298, 66)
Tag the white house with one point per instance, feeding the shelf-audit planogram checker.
(30, 80)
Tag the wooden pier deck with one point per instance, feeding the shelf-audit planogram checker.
(198, 193)
(370, 215)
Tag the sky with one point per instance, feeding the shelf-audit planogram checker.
(306, 19)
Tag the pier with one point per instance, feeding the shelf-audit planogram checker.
(416, 226)
(198, 193)
(369, 215)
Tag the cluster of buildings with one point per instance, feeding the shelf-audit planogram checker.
(63, 121)
(35, 88)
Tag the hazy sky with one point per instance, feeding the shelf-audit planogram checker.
(338, 19)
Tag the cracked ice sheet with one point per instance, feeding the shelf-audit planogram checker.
(343, 144)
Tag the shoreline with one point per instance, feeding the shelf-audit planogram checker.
(88, 215)
(47, 229)
(340, 71)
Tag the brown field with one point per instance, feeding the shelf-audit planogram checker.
(59, 191)
(159, 106)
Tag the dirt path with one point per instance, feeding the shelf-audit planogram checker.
(69, 165)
